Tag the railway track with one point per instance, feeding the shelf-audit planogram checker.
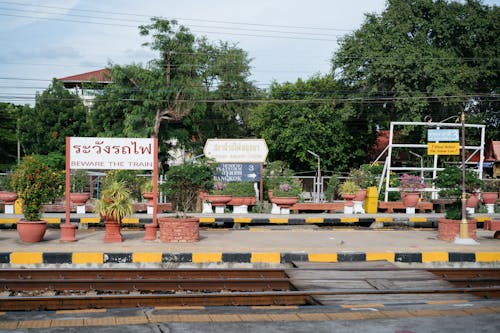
(46, 289)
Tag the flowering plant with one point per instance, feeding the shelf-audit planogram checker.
(411, 183)
(291, 189)
(36, 184)
(218, 187)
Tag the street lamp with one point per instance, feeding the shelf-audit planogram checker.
(463, 237)
(318, 184)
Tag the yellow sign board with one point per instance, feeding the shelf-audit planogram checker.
(443, 148)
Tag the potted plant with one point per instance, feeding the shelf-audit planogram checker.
(182, 185)
(286, 195)
(449, 181)
(489, 195)
(347, 191)
(242, 195)
(409, 187)
(114, 204)
(36, 184)
(7, 195)
(217, 197)
(79, 182)
(147, 193)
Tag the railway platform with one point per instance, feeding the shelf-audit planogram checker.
(259, 240)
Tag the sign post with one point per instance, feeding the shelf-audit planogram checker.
(108, 154)
(241, 159)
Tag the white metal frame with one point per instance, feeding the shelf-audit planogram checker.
(434, 169)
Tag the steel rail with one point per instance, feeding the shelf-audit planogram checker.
(239, 284)
(139, 273)
(204, 299)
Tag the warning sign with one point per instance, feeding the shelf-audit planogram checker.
(443, 148)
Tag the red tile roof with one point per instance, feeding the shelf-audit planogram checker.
(100, 76)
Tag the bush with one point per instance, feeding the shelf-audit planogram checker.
(183, 182)
(36, 184)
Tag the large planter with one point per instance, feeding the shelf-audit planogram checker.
(218, 199)
(112, 233)
(285, 202)
(7, 197)
(448, 230)
(242, 201)
(410, 199)
(79, 198)
(489, 198)
(177, 230)
(31, 231)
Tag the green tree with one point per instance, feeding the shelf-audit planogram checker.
(57, 113)
(8, 135)
(168, 97)
(302, 116)
(424, 57)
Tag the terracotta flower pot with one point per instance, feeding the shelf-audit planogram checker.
(472, 201)
(410, 199)
(79, 198)
(285, 202)
(490, 198)
(361, 195)
(218, 199)
(7, 197)
(31, 231)
(240, 201)
(149, 196)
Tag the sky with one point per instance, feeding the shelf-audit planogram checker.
(286, 39)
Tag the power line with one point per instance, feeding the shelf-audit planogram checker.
(185, 19)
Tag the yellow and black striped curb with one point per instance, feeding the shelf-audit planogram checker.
(386, 221)
(99, 258)
(282, 314)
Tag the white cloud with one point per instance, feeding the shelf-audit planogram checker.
(19, 14)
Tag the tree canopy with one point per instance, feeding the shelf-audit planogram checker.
(57, 113)
(170, 97)
(424, 57)
(301, 116)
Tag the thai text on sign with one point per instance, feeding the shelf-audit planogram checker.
(443, 148)
(111, 153)
(236, 150)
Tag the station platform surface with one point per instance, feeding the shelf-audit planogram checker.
(276, 242)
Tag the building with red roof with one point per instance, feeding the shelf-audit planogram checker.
(87, 85)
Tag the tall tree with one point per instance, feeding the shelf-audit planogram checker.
(303, 116)
(57, 113)
(168, 97)
(424, 57)
(8, 135)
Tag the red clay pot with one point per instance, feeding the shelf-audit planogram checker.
(31, 231)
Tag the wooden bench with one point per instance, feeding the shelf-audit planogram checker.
(390, 206)
(331, 207)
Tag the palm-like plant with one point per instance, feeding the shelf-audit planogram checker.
(115, 202)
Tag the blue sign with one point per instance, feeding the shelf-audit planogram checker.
(238, 172)
(442, 135)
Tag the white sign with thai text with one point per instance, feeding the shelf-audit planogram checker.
(111, 153)
(236, 150)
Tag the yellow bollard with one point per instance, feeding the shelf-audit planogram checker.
(18, 206)
(371, 201)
